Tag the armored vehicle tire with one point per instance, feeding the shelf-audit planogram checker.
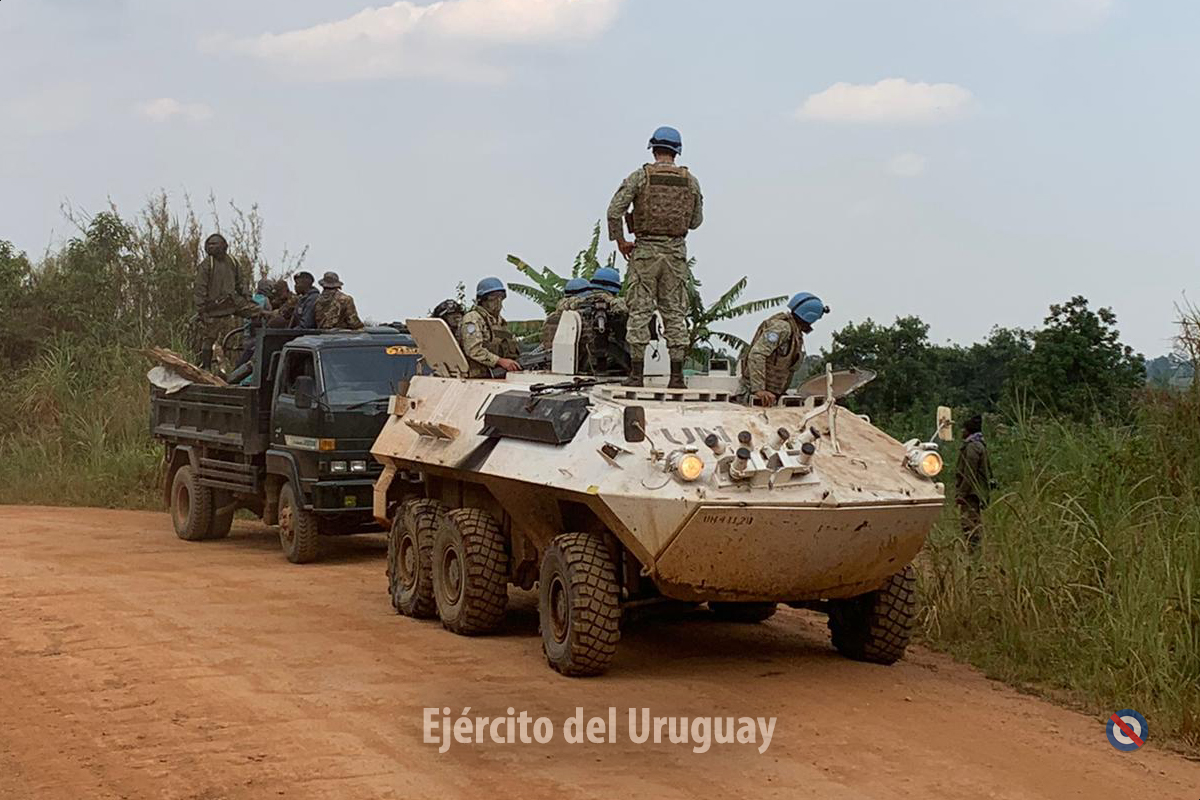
(193, 506)
(470, 571)
(579, 608)
(876, 626)
(410, 553)
(298, 533)
(742, 612)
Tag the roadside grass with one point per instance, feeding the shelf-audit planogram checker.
(1089, 578)
(77, 430)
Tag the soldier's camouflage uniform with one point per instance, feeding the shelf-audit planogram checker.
(334, 310)
(221, 300)
(485, 340)
(774, 353)
(667, 203)
(972, 485)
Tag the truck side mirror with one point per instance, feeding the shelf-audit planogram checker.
(304, 391)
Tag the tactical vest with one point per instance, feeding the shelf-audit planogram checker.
(781, 364)
(666, 202)
(549, 329)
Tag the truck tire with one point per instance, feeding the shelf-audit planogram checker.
(222, 521)
(192, 506)
(876, 626)
(297, 528)
(579, 605)
(742, 612)
(410, 554)
(470, 572)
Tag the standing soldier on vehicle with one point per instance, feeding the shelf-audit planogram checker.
(777, 349)
(486, 340)
(972, 481)
(220, 295)
(334, 309)
(667, 203)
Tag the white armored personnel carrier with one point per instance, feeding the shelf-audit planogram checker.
(609, 498)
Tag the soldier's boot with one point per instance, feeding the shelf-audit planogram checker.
(677, 381)
(636, 365)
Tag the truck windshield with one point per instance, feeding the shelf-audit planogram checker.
(362, 374)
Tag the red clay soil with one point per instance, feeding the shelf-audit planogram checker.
(135, 665)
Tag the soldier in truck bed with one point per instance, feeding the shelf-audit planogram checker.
(777, 349)
(667, 203)
(333, 308)
(221, 297)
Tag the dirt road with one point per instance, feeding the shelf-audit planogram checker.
(135, 665)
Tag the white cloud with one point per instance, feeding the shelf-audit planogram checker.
(890, 100)
(907, 165)
(442, 38)
(166, 108)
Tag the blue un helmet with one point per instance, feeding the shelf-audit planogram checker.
(667, 137)
(576, 286)
(489, 286)
(808, 307)
(608, 279)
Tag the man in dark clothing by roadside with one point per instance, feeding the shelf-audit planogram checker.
(972, 481)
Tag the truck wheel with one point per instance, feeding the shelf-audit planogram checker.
(192, 506)
(578, 605)
(222, 521)
(742, 612)
(410, 553)
(876, 626)
(297, 528)
(470, 571)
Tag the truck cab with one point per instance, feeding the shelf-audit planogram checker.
(293, 444)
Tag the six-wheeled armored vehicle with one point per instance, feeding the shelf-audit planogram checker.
(609, 497)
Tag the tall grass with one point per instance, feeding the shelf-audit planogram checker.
(77, 430)
(1089, 577)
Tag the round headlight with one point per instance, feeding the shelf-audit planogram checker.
(689, 467)
(930, 464)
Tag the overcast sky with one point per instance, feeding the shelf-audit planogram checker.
(967, 161)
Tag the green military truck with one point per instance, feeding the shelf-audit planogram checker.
(293, 446)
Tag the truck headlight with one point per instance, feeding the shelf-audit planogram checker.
(337, 466)
(358, 466)
(688, 466)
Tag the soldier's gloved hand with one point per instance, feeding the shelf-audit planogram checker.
(765, 398)
(508, 365)
(626, 248)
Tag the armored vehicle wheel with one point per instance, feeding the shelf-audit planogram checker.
(578, 605)
(193, 506)
(742, 612)
(470, 571)
(297, 528)
(410, 553)
(876, 626)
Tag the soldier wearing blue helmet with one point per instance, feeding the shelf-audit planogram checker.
(486, 341)
(667, 203)
(777, 349)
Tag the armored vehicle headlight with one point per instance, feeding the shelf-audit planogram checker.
(688, 467)
(358, 466)
(337, 466)
(927, 463)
